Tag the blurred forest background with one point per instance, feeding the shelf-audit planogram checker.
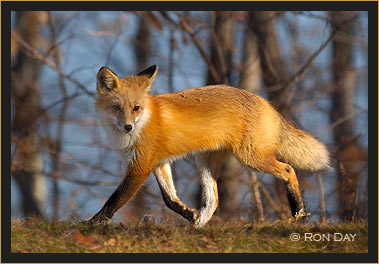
(312, 66)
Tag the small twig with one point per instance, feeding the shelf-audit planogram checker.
(43, 111)
(346, 117)
(265, 192)
(257, 196)
(37, 55)
(311, 15)
(184, 25)
(111, 47)
(296, 75)
(269, 199)
(322, 200)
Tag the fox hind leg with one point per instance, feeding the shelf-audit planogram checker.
(286, 173)
(209, 166)
(164, 177)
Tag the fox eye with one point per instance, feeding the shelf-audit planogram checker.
(116, 107)
(136, 108)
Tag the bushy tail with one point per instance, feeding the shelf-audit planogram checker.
(301, 150)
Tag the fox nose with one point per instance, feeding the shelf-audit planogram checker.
(128, 127)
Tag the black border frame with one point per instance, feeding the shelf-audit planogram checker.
(8, 257)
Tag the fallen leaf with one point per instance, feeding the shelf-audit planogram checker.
(110, 242)
(80, 238)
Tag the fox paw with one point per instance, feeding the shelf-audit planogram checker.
(97, 221)
(192, 216)
(198, 224)
(202, 220)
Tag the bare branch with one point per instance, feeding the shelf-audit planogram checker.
(296, 75)
(322, 201)
(37, 55)
(184, 25)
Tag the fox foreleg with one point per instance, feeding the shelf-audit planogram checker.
(167, 187)
(124, 192)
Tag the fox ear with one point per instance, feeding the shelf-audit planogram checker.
(107, 80)
(150, 74)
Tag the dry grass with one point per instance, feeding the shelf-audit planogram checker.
(40, 236)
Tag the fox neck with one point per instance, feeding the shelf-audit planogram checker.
(126, 141)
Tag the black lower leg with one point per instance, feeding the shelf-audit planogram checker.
(103, 216)
(109, 209)
(188, 213)
(294, 200)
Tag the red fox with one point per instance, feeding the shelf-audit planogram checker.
(210, 122)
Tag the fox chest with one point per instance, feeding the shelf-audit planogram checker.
(128, 154)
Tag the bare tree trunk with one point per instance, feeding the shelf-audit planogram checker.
(222, 32)
(251, 73)
(27, 163)
(274, 73)
(142, 45)
(171, 62)
(273, 67)
(349, 153)
(250, 80)
(142, 49)
(56, 141)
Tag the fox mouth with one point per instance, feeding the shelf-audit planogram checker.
(122, 128)
(123, 131)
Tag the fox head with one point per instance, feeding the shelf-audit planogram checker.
(122, 102)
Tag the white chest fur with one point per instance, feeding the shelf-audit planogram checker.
(119, 139)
